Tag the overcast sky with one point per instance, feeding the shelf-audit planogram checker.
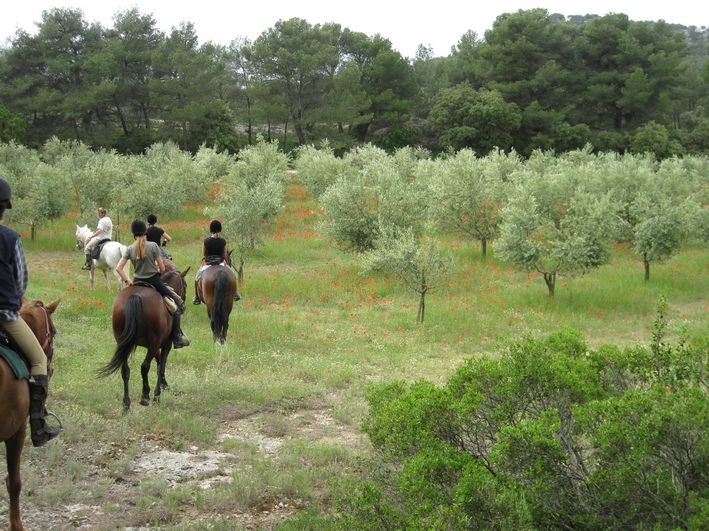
(438, 24)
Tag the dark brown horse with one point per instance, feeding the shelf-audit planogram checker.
(140, 319)
(216, 288)
(15, 402)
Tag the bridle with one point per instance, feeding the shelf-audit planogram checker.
(48, 334)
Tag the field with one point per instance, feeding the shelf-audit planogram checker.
(255, 434)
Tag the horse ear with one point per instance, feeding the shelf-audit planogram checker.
(184, 273)
(52, 307)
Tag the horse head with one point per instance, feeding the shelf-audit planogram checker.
(170, 278)
(38, 317)
(82, 233)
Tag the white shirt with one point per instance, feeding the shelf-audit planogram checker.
(106, 226)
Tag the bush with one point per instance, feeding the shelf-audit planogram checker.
(549, 435)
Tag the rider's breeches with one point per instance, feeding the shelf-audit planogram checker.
(23, 337)
(89, 246)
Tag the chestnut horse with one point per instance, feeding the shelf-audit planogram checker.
(15, 402)
(140, 319)
(216, 288)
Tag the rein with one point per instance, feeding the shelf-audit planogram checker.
(48, 336)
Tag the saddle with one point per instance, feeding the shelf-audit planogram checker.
(169, 303)
(213, 260)
(19, 364)
(96, 251)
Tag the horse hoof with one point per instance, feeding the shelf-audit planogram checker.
(144, 402)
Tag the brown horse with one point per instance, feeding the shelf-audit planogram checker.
(15, 402)
(216, 288)
(140, 319)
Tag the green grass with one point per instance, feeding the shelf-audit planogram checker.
(310, 334)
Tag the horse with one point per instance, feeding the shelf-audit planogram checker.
(108, 259)
(15, 402)
(140, 319)
(216, 288)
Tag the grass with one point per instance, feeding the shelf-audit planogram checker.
(309, 336)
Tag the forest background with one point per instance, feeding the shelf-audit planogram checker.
(534, 81)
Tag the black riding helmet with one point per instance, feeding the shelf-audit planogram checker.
(138, 227)
(152, 219)
(5, 192)
(215, 226)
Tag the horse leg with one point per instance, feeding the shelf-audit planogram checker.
(13, 448)
(91, 276)
(125, 373)
(164, 352)
(105, 277)
(145, 373)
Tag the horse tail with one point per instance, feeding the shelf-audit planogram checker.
(219, 318)
(127, 343)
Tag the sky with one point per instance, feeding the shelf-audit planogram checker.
(438, 24)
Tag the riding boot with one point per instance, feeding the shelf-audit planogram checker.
(41, 432)
(196, 295)
(178, 340)
(87, 265)
(237, 296)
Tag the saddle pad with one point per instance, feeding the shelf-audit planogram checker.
(170, 305)
(16, 362)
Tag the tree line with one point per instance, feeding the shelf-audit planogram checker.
(534, 81)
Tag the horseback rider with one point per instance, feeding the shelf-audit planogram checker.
(13, 271)
(214, 248)
(155, 233)
(148, 266)
(103, 232)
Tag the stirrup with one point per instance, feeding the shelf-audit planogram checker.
(196, 301)
(86, 267)
(48, 413)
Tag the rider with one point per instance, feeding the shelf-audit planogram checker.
(103, 232)
(148, 266)
(13, 271)
(155, 233)
(213, 249)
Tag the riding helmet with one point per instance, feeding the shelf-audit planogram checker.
(138, 227)
(5, 192)
(215, 226)
(152, 219)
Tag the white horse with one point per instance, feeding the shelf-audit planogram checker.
(108, 259)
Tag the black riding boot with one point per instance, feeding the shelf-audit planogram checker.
(87, 265)
(178, 340)
(196, 295)
(41, 432)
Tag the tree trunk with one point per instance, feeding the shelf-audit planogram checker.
(422, 301)
(550, 279)
(422, 308)
(646, 264)
(483, 243)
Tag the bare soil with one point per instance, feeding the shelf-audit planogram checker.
(197, 468)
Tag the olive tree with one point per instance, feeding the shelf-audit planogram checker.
(419, 265)
(572, 237)
(384, 191)
(468, 195)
